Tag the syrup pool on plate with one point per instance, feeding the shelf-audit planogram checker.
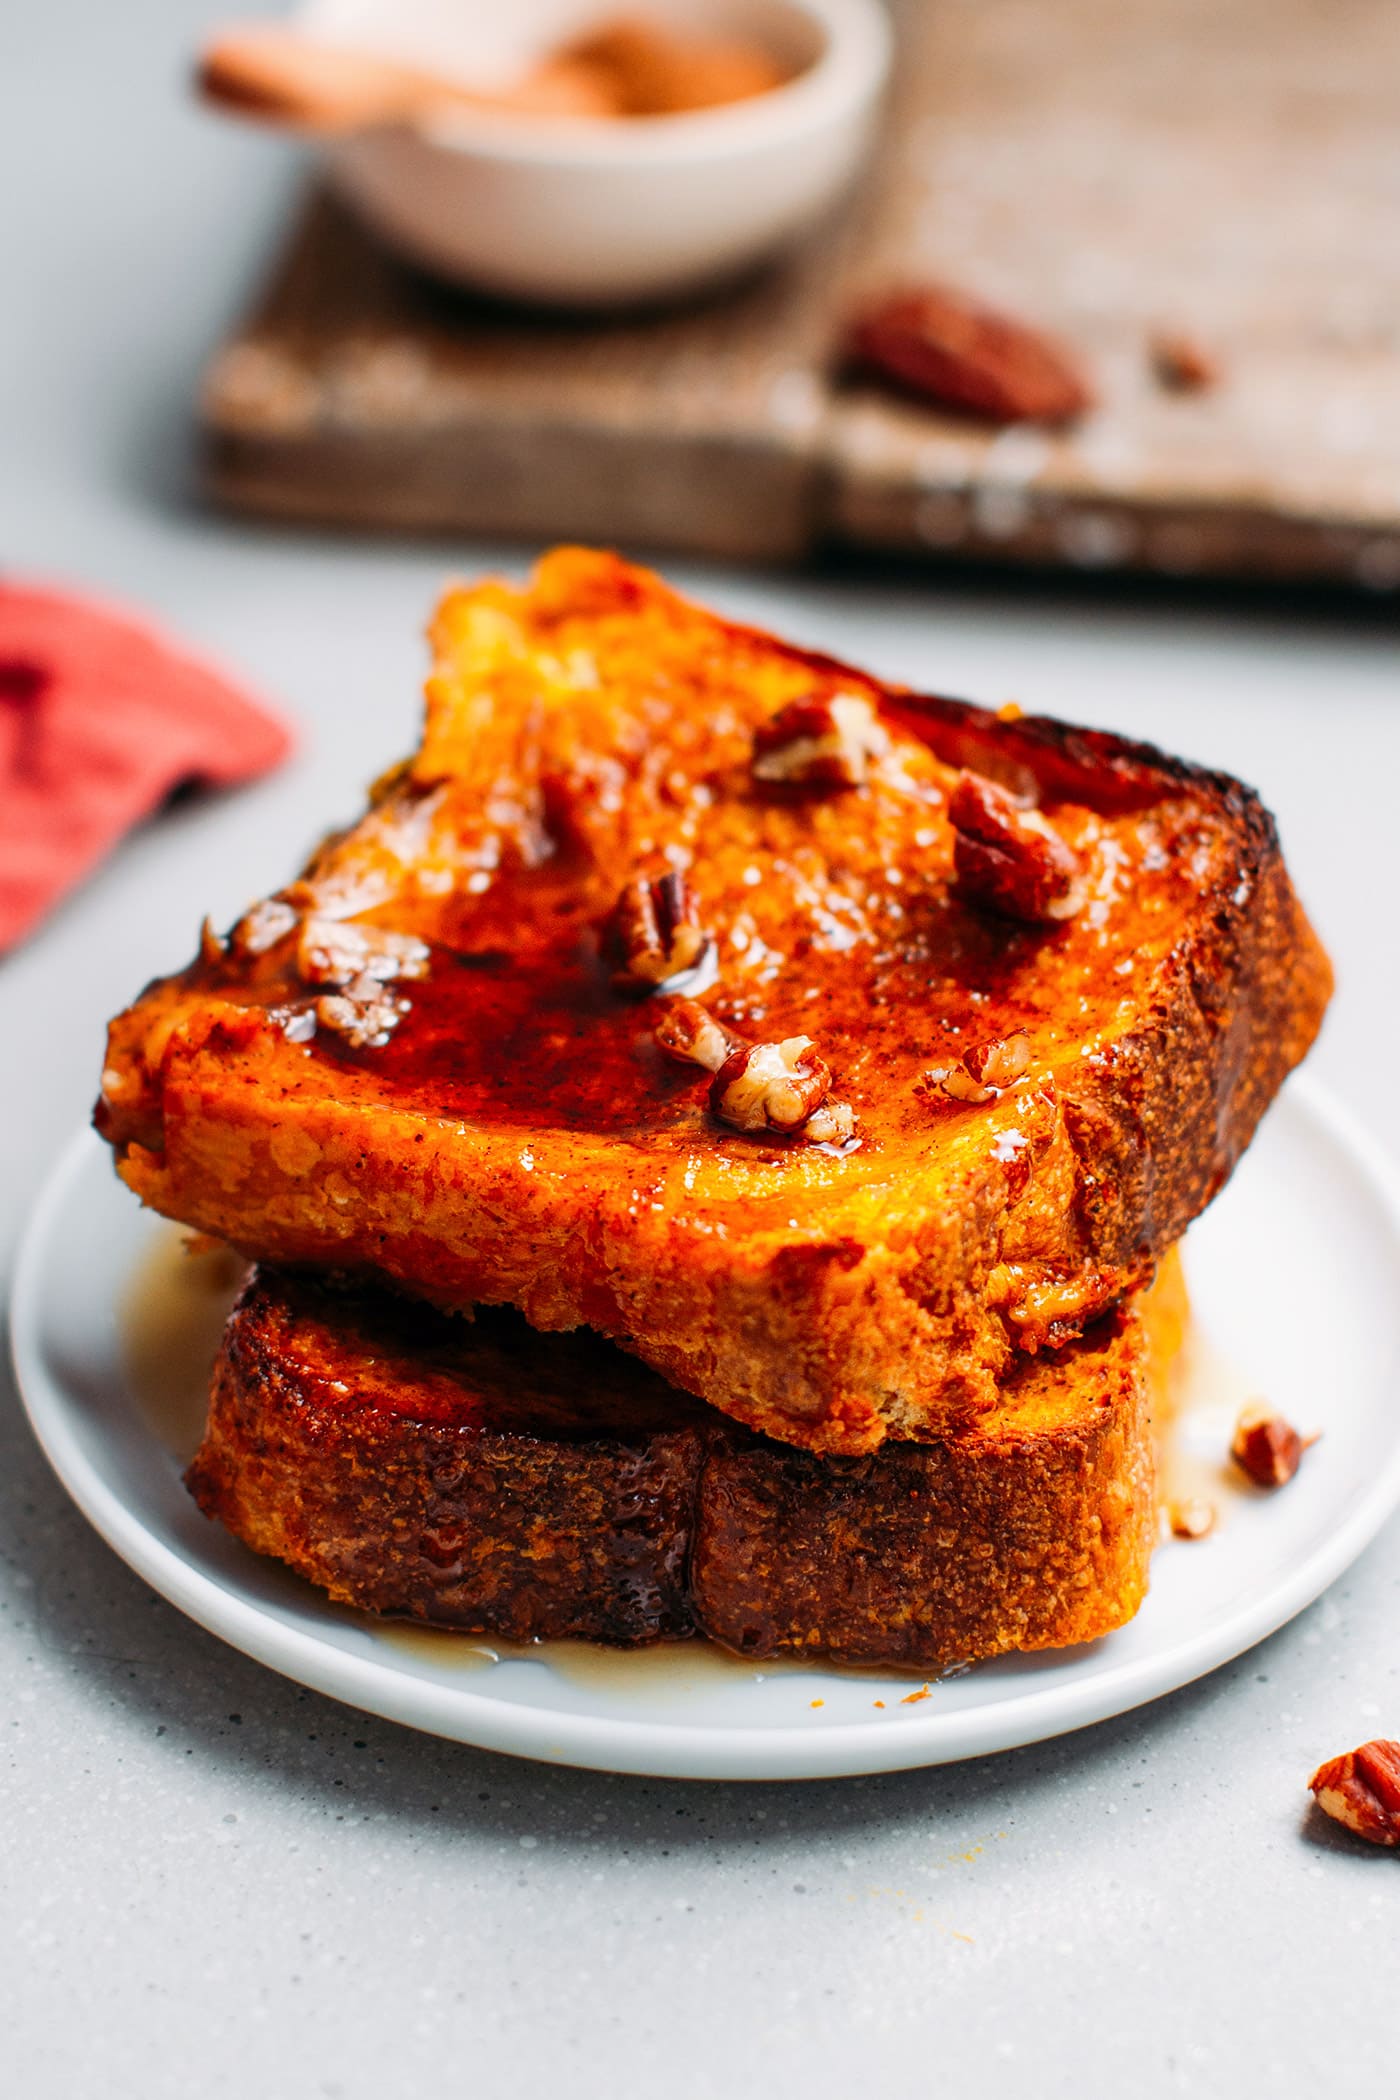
(671, 1665)
(1195, 1408)
(172, 1317)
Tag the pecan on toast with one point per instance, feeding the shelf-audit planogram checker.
(439, 1054)
(483, 1476)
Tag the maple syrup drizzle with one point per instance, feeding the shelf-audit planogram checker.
(171, 1320)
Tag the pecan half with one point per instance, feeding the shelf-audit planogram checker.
(827, 740)
(982, 1073)
(685, 1031)
(770, 1086)
(937, 343)
(656, 931)
(1010, 860)
(1266, 1447)
(334, 951)
(1362, 1790)
(365, 1012)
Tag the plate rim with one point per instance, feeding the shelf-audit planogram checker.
(666, 1749)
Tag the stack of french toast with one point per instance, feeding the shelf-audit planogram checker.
(706, 1137)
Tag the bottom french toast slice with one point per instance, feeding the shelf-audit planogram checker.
(521, 1486)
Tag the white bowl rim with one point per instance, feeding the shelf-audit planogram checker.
(850, 71)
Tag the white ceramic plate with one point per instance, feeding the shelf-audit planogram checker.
(1293, 1276)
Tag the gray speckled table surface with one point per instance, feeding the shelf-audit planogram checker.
(214, 1882)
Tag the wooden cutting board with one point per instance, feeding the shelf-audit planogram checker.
(1106, 167)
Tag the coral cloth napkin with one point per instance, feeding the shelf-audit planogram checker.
(100, 721)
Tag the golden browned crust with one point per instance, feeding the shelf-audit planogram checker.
(1032, 1534)
(519, 1138)
(511, 1484)
(474, 1475)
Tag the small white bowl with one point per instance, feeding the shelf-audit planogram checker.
(612, 212)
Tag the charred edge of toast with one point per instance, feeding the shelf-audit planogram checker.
(333, 1446)
(1159, 1121)
(1158, 1130)
(1106, 772)
(1159, 1126)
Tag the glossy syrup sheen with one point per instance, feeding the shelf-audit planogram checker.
(595, 726)
(833, 921)
(363, 1352)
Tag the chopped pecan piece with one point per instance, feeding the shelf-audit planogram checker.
(983, 1072)
(297, 1023)
(757, 1086)
(827, 740)
(365, 1012)
(1193, 1518)
(1001, 1062)
(770, 1086)
(1266, 1447)
(335, 951)
(263, 926)
(1010, 860)
(834, 1123)
(657, 930)
(685, 1031)
(1362, 1790)
(942, 346)
(1183, 364)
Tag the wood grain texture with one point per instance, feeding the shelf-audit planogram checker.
(1111, 168)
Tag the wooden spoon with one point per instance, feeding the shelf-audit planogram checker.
(280, 75)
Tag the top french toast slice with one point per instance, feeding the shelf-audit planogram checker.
(419, 1059)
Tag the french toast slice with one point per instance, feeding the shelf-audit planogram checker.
(527, 1486)
(1049, 1032)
